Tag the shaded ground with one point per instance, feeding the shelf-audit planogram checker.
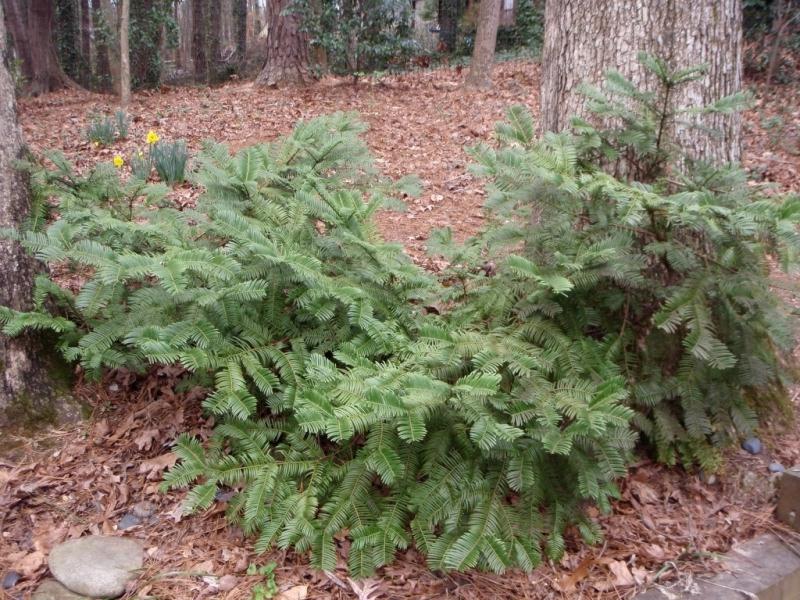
(668, 525)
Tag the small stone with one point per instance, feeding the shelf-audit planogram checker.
(50, 589)
(128, 520)
(776, 467)
(96, 566)
(752, 445)
(143, 509)
(10, 579)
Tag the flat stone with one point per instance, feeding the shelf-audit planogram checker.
(764, 568)
(96, 566)
(776, 467)
(50, 589)
(10, 579)
(128, 520)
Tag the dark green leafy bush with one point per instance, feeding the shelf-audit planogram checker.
(593, 308)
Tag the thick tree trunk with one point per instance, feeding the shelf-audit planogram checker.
(199, 57)
(287, 61)
(480, 69)
(124, 56)
(26, 390)
(31, 25)
(584, 39)
(102, 70)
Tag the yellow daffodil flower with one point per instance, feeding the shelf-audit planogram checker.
(152, 137)
(118, 161)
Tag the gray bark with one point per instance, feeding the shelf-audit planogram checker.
(584, 39)
(480, 69)
(124, 56)
(26, 390)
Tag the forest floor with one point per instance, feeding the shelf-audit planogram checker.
(669, 526)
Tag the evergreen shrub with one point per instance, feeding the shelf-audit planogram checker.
(591, 310)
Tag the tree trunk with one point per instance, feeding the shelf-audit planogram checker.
(102, 70)
(86, 44)
(480, 69)
(26, 390)
(240, 32)
(449, 13)
(287, 60)
(124, 56)
(31, 24)
(199, 40)
(584, 39)
(213, 31)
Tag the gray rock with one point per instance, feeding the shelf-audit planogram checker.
(96, 565)
(752, 445)
(10, 579)
(50, 589)
(776, 467)
(128, 520)
(143, 509)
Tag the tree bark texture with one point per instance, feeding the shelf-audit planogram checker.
(31, 26)
(102, 65)
(287, 61)
(585, 39)
(199, 58)
(240, 32)
(480, 69)
(125, 56)
(25, 386)
(86, 43)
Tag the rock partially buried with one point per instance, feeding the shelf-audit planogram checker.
(776, 467)
(752, 445)
(50, 589)
(96, 566)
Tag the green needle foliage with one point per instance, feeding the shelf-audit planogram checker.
(592, 310)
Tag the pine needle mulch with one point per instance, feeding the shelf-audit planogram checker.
(669, 526)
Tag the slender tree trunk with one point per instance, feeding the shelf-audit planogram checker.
(287, 60)
(124, 56)
(199, 57)
(449, 13)
(480, 69)
(213, 32)
(26, 389)
(86, 43)
(102, 70)
(585, 39)
(240, 32)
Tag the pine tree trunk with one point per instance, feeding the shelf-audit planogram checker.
(26, 390)
(102, 66)
(480, 69)
(125, 56)
(584, 39)
(199, 58)
(287, 61)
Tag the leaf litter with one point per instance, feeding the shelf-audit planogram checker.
(667, 526)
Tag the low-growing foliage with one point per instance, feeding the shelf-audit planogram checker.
(591, 310)
(169, 160)
(101, 130)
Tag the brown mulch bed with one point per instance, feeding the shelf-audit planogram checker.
(669, 525)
